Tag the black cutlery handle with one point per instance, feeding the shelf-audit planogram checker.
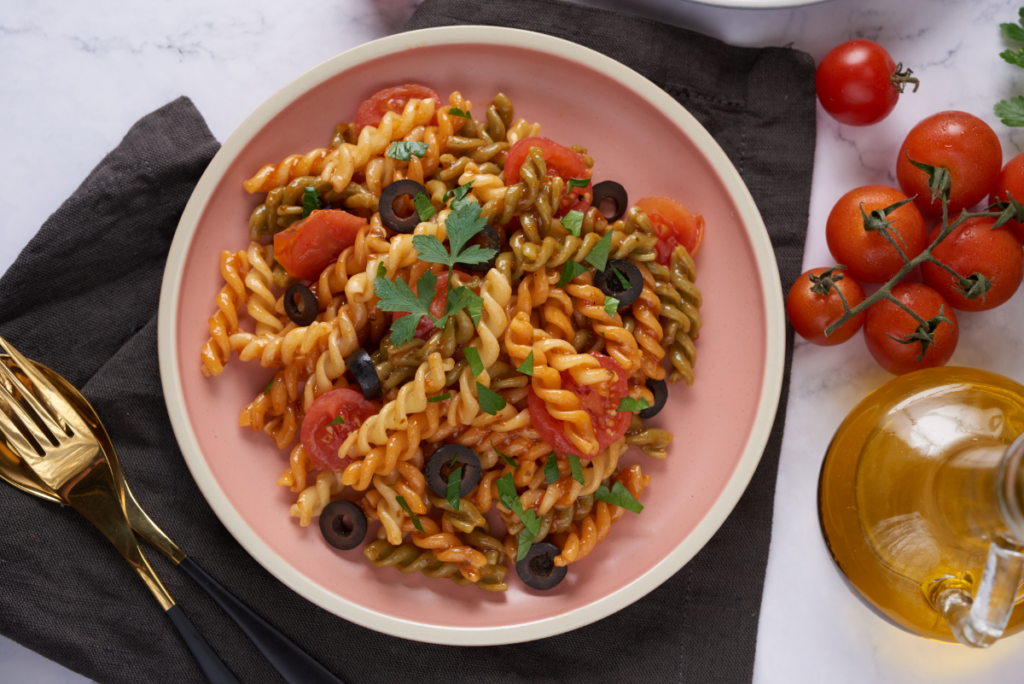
(213, 667)
(294, 664)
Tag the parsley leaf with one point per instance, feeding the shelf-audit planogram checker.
(611, 305)
(505, 458)
(598, 256)
(270, 385)
(475, 306)
(403, 150)
(337, 421)
(1011, 111)
(577, 468)
(1014, 31)
(461, 225)
(440, 397)
(570, 271)
(577, 183)
(423, 206)
(631, 404)
(551, 469)
(382, 270)
(573, 222)
(526, 367)
(404, 329)
(1014, 57)
(490, 401)
(455, 111)
(527, 534)
(310, 201)
(472, 355)
(458, 194)
(412, 516)
(431, 249)
(507, 493)
(510, 500)
(618, 496)
(397, 296)
(454, 485)
(623, 280)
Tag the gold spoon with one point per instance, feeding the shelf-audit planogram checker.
(294, 664)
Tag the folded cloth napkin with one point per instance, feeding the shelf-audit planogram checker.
(82, 298)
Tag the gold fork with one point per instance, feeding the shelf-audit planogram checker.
(62, 452)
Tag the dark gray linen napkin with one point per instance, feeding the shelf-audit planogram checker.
(82, 298)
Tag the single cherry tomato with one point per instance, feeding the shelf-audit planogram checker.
(858, 83)
(561, 161)
(321, 439)
(858, 243)
(974, 247)
(885, 319)
(394, 100)
(811, 313)
(600, 404)
(1011, 184)
(963, 144)
(675, 225)
(308, 246)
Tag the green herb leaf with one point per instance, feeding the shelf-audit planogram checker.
(475, 306)
(618, 496)
(1011, 111)
(397, 296)
(310, 201)
(1014, 57)
(505, 458)
(431, 249)
(440, 397)
(577, 468)
(577, 183)
(462, 224)
(573, 222)
(507, 493)
(472, 355)
(337, 421)
(270, 385)
(458, 194)
(423, 206)
(404, 329)
(598, 256)
(382, 270)
(412, 516)
(403, 150)
(455, 111)
(611, 305)
(475, 254)
(510, 500)
(623, 280)
(454, 485)
(631, 404)
(525, 539)
(551, 469)
(1013, 32)
(490, 401)
(526, 367)
(570, 271)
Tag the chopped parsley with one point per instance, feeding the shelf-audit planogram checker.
(454, 485)
(573, 222)
(577, 183)
(490, 401)
(455, 111)
(461, 225)
(458, 194)
(475, 364)
(397, 296)
(310, 201)
(551, 469)
(611, 305)
(598, 257)
(440, 397)
(618, 496)
(623, 280)
(270, 385)
(337, 421)
(505, 458)
(526, 367)
(570, 271)
(412, 516)
(403, 150)
(423, 206)
(631, 404)
(577, 468)
(531, 523)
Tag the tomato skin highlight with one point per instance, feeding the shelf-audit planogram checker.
(308, 246)
(867, 255)
(885, 318)
(675, 225)
(1011, 183)
(811, 314)
(960, 142)
(609, 423)
(321, 440)
(854, 83)
(561, 161)
(975, 247)
(394, 99)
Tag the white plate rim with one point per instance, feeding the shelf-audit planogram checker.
(767, 404)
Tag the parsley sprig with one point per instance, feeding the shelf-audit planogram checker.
(1012, 111)
(619, 496)
(531, 523)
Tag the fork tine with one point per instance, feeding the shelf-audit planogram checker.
(54, 400)
(27, 396)
(13, 433)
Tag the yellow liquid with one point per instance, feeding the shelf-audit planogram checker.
(907, 493)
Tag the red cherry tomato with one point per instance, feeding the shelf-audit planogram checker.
(1011, 184)
(867, 255)
(609, 423)
(675, 225)
(308, 246)
(960, 142)
(811, 313)
(885, 319)
(561, 161)
(975, 248)
(425, 328)
(322, 440)
(393, 99)
(858, 83)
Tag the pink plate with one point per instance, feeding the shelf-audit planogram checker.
(640, 137)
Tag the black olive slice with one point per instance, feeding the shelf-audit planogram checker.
(538, 569)
(386, 206)
(610, 190)
(660, 390)
(309, 308)
(365, 372)
(610, 284)
(442, 459)
(341, 533)
(487, 238)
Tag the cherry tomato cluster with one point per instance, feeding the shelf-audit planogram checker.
(875, 232)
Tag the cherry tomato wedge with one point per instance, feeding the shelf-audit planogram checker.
(1011, 184)
(321, 439)
(811, 313)
(561, 161)
(308, 246)
(886, 320)
(609, 423)
(394, 100)
(675, 225)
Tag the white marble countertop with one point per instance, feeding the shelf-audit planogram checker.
(76, 76)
